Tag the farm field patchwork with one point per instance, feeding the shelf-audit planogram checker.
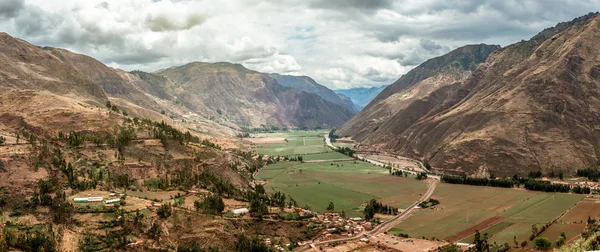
(347, 184)
(294, 143)
(465, 206)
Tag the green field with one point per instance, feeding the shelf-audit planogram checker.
(465, 206)
(298, 142)
(347, 184)
(325, 156)
(338, 144)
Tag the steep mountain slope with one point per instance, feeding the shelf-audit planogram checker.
(25, 66)
(309, 85)
(230, 92)
(50, 89)
(532, 105)
(361, 96)
(426, 78)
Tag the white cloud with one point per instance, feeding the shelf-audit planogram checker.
(341, 44)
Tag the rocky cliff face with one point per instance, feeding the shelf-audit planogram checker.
(248, 98)
(532, 105)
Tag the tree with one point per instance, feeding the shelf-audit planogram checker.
(477, 241)
(542, 243)
(560, 241)
(561, 175)
(369, 212)
(212, 204)
(515, 241)
(260, 189)
(154, 231)
(534, 232)
(330, 207)
(164, 211)
(523, 244)
(244, 244)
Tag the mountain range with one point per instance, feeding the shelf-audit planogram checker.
(485, 110)
(43, 84)
(361, 96)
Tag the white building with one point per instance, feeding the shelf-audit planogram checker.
(240, 211)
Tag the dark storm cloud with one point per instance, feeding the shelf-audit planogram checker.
(430, 45)
(476, 20)
(361, 5)
(10, 8)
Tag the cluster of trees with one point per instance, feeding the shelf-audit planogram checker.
(429, 203)
(195, 247)
(346, 151)
(591, 173)
(529, 183)
(164, 211)
(29, 240)
(243, 135)
(397, 173)
(374, 207)
(254, 244)
(542, 243)
(545, 186)
(333, 136)
(452, 179)
(535, 231)
(482, 244)
(421, 175)
(535, 174)
(211, 204)
(581, 190)
(294, 158)
(163, 131)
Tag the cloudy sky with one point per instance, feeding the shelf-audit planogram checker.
(340, 43)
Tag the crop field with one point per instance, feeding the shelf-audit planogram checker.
(463, 207)
(325, 156)
(347, 184)
(580, 213)
(340, 144)
(294, 143)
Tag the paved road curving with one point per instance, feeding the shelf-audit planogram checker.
(432, 182)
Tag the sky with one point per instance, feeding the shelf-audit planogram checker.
(340, 43)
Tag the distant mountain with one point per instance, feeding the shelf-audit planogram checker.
(309, 85)
(247, 98)
(531, 106)
(361, 96)
(424, 79)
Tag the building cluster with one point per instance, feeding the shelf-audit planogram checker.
(111, 200)
(594, 186)
(338, 227)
